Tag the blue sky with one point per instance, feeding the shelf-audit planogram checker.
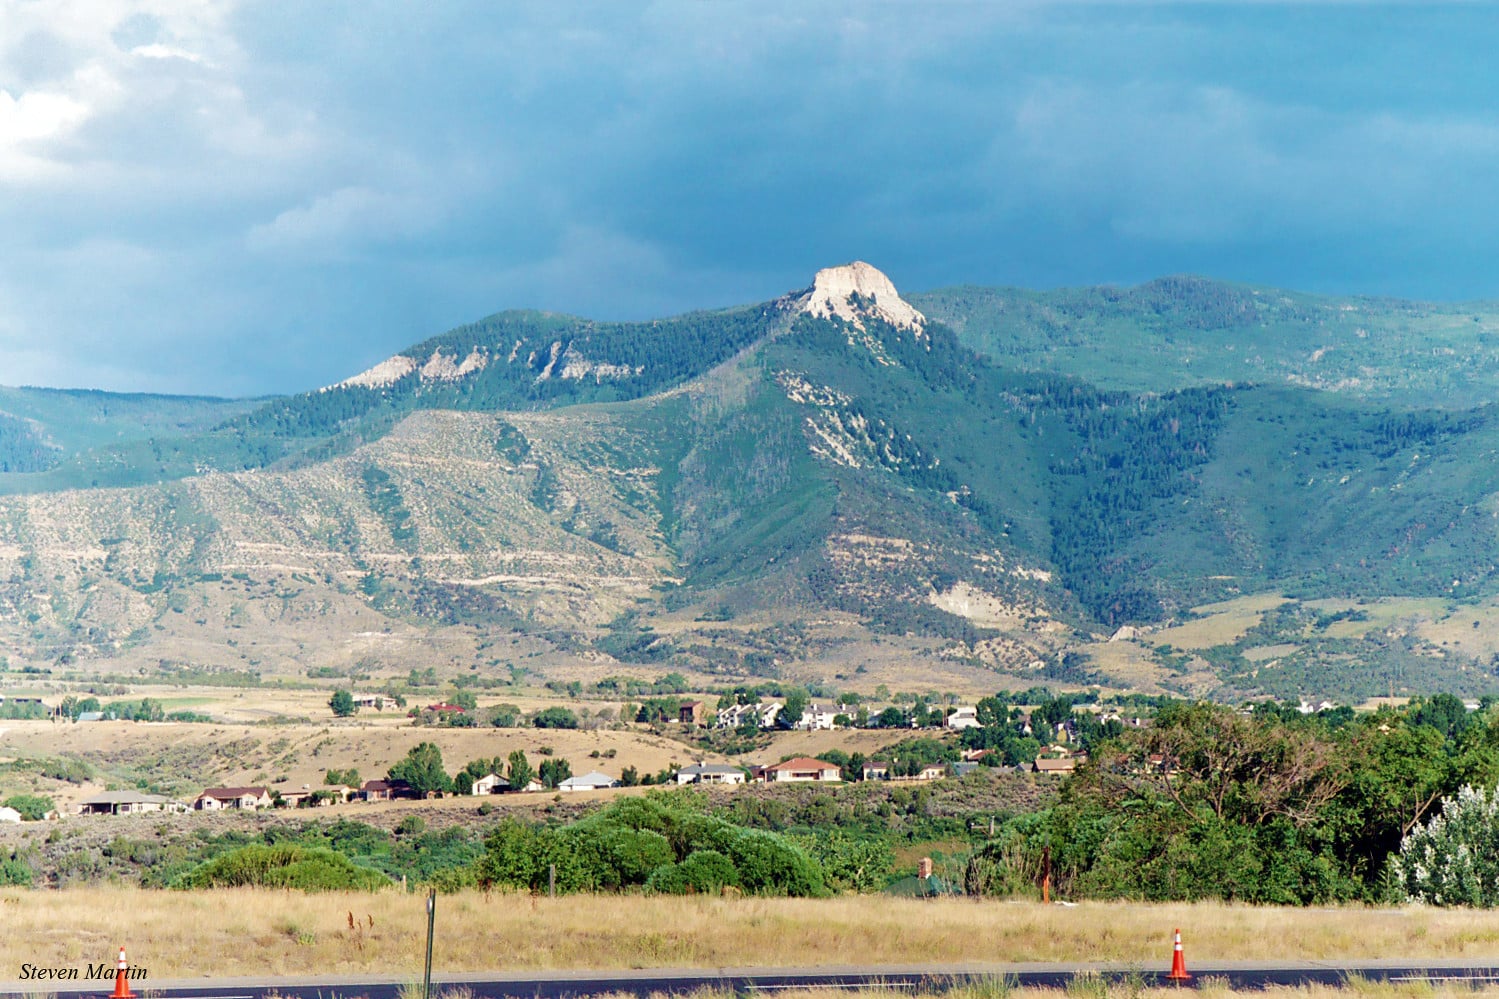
(214, 197)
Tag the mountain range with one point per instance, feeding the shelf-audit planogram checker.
(1249, 491)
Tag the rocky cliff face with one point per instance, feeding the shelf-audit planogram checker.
(855, 292)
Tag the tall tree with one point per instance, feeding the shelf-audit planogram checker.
(422, 769)
(520, 770)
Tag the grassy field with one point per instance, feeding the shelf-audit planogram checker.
(244, 931)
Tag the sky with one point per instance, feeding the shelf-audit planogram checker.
(254, 198)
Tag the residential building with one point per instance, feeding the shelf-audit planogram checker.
(588, 782)
(224, 798)
(128, 803)
(710, 773)
(764, 715)
(803, 769)
(377, 702)
(692, 712)
(817, 717)
(490, 784)
(1065, 765)
(385, 790)
(963, 717)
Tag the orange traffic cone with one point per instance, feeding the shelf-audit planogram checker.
(122, 984)
(1178, 962)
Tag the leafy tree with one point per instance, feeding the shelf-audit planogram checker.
(342, 703)
(554, 717)
(554, 771)
(422, 768)
(504, 716)
(348, 778)
(519, 772)
(1443, 712)
(464, 699)
(797, 700)
(33, 807)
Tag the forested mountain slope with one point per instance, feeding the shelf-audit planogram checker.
(808, 487)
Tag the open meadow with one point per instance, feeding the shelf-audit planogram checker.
(232, 932)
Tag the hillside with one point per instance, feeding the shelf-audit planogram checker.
(1182, 331)
(967, 490)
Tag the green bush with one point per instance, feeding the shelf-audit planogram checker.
(770, 865)
(705, 872)
(282, 866)
(33, 807)
(618, 857)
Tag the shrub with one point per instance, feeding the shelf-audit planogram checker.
(618, 858)
(704, 872)
(1454, 858)
(282, 866)
(769, 865)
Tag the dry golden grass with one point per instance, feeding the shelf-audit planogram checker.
(245, 931)
(1222, 622)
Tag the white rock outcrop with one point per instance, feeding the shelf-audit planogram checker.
(856, 291)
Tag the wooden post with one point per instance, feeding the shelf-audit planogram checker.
(1046, 875)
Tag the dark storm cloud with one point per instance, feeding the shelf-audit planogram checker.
(261, 198)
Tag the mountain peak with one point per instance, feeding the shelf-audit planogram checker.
(855, 291)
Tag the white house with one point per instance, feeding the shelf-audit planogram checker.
(736, 715)
(588, 782)
(963, 717)
(489, 784)
(710, 773)
(816, 717)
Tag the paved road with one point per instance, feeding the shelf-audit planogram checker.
(749, 981)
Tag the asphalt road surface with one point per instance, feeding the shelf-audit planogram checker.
(750, 981)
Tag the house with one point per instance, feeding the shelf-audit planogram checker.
(385, 790)
(8, 814)
(962, 769)
(588, 782)
(444, 708)
(489, 784)
(802, 769)
(710, 773)
(963, 717)
(931, 771)
(534, 785)
(128, 803)
(248, 799)
(378, 702)
(1062, 766)
(763, 715)
(90, 716)
(757, 775)
(876, 770)
(691, 712)
(816, 718)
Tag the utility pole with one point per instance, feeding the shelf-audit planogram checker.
(431, 913)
